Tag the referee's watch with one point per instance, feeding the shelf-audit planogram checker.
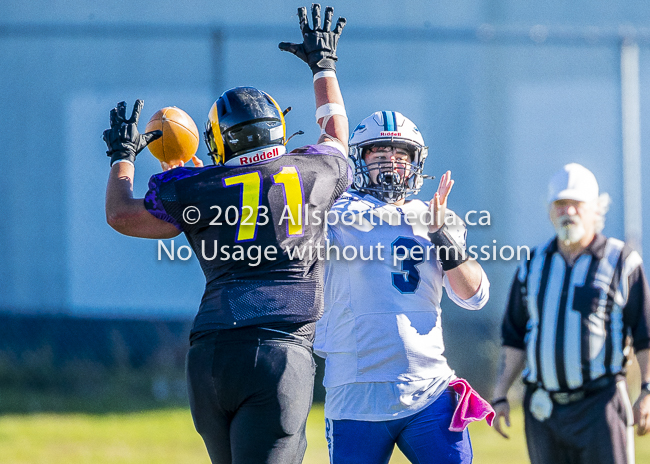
(645, 387)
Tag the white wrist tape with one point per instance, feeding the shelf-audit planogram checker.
(123, 161)
(330, 109)
(326, 112)
(322, 74)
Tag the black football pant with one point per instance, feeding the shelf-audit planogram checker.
(595, 430)
(250, 393)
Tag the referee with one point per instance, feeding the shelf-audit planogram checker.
(572, 308)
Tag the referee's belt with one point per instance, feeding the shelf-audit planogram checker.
(563, 398)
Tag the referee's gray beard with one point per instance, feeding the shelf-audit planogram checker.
(569, 229)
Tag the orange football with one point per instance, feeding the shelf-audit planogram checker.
(180, 138)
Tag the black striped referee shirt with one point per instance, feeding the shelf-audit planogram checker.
(573, 320)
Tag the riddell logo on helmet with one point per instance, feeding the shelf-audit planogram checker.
(390, 134)
(259, 156)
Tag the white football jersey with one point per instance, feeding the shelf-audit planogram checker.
(382, 314)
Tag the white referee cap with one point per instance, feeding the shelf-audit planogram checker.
(573, 182)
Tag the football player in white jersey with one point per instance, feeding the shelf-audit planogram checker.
(387, 381)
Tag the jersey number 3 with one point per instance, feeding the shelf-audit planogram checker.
(408, 280)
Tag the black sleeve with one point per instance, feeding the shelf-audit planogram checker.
(513, 328)
(636, 312)
(345, 180)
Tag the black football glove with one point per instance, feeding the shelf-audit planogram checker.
(318, 47)
(123, 140)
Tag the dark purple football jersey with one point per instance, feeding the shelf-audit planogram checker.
(255, 230)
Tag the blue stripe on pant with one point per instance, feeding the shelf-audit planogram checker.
(424, 437)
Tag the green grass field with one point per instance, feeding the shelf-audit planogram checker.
(168, 436)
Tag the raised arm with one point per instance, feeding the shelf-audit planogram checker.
(124, 213)
(318, 50)
(465, 275)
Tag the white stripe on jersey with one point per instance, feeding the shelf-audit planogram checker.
(549, 322)
(597, 319)
(573, 326)
(632, 262)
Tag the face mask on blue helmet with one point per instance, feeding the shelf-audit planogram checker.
(388, 128)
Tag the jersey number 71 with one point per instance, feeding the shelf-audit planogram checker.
(251, 201)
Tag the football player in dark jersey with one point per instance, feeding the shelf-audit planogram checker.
(248, 219)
